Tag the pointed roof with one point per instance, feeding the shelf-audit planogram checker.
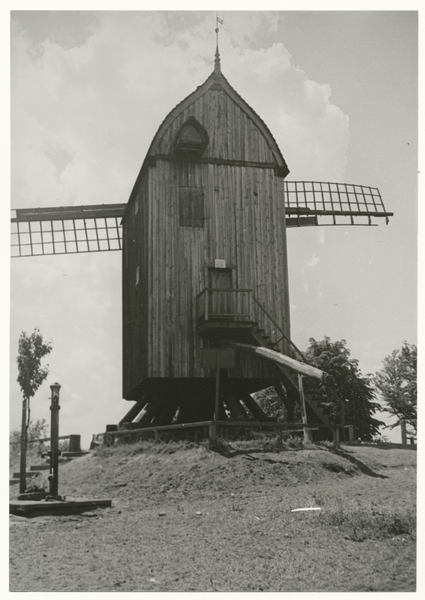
(217, 81)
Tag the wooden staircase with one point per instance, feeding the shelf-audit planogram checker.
(243, 328)
(262, 339)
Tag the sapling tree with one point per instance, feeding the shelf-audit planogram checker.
(397, 384)
(31, 374)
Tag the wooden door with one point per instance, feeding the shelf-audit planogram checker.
(221, 300)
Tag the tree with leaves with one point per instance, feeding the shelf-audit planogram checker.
(347, 395)
(31, 374)
(397, 384)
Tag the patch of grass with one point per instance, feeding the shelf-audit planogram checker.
(362, 524)
(148, 447)
(260, 442)
(251, 442)
(334, 467)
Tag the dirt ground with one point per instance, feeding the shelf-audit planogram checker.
(189, 519)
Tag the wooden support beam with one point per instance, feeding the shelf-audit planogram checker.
(289, 376)
(236, 409)
(282, 359)
(288, 399)
(151, 407)
(165, 413)
(307, 432)
(134, 411)
(252, 406)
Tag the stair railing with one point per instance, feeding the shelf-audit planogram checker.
(265, 311)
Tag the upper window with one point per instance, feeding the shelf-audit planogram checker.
(191, 207)
(192, 139)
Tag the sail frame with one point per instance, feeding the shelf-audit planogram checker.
(97, 227)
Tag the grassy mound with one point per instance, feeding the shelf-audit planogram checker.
(186, 518)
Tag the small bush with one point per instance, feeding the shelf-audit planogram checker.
(39, 483)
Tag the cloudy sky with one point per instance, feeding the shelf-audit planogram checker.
(338, 90)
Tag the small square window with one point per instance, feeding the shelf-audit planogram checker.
(191, 208)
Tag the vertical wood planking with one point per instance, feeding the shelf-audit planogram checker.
(244, 224)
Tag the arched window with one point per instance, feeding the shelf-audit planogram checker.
(192, 139)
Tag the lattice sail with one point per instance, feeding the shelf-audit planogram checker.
(66, 230)
(323, 203)
(97, 228)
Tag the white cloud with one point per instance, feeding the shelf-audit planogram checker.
(83, 117)
(99, 104)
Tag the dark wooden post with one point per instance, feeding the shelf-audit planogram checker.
(23, 461)
(213, 429)
(217, 389)
(336, 437)
(74, 443)
(207, 304)
(54, 441)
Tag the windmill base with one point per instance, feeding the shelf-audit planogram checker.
(177, 401)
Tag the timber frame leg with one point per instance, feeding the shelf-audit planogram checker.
(336, 437)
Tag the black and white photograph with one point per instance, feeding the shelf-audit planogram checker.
(212, 329)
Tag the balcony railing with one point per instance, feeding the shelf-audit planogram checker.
(224, 304)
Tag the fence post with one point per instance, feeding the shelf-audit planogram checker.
(336, 437)
(279, 436)
(403, 433)
(74, 443)
(212, 433)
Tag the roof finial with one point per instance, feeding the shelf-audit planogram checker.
(217, 69)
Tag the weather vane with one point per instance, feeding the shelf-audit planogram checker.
(217, 29)
(217, 54)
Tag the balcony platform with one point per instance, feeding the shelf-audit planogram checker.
(225, 324)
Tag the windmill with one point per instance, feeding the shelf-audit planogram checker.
(204, 261)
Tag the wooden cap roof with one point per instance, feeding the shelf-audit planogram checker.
(217, 81)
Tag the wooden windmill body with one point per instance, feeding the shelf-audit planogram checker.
(204, 259)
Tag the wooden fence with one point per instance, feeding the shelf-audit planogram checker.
(212, 429)
(74, 441)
